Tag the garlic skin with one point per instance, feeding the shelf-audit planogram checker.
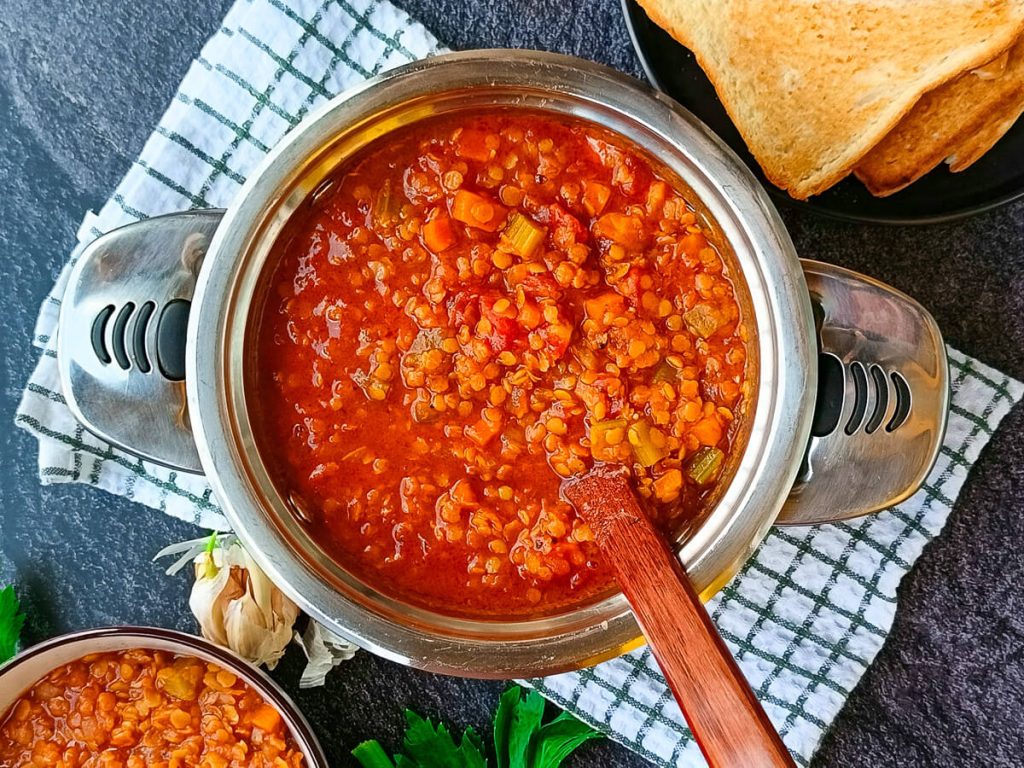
(324, 651)
(238, 607)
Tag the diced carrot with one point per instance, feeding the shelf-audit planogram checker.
(693, 243)
(472, 145)
(266, 718)
(667, 487)
(657, 193)
(609, 304)
(438, 234)
(627, 231)
(708, 431)
(482, 432)
(595, 197)
(477, 211)
(566, 229)
(530, 314)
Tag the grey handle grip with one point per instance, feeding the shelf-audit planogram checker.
(122, 335)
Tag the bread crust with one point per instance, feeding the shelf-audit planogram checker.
(971, 148)
(958, 118)
(812, 93)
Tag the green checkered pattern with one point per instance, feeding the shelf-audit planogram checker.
(811, 608)
(270, 63)
(809, 611)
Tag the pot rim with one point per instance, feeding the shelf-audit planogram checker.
(787, 371)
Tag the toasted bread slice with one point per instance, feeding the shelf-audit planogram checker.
(812, 87)
(971, 148)
(956, 118)
(994, 68)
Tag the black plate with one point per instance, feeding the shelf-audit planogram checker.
(995, 179)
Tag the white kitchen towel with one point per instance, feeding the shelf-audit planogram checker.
(805, 617)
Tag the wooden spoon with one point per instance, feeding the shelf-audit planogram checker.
(731, 728)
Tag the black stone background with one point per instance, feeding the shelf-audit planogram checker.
(82, 83)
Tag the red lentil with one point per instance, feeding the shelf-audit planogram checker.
(474, 311)
(144, 709)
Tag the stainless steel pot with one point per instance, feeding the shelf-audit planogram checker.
(851, 376)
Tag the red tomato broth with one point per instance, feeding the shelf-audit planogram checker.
(478, 307)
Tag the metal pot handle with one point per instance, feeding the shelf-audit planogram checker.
(879, 419)
(882, 400)
(121, 336)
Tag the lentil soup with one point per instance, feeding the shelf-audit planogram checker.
(144, 709)
(472, 310)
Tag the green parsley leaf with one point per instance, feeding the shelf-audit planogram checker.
(11, 622)
(526, 720)
(503, 722)
(425, 746)
(521, 740)
(558, 739)
(371, 754)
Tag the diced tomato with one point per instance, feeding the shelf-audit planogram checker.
(657, 194)
(630, 285)
(540, 284)
(603, 390)
(631, 176)
(472, 145)
(506, 332)
(566, 229)
(463, 309)
(609, 156)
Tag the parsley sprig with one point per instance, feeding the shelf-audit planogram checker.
(11, 622)
(521, 739)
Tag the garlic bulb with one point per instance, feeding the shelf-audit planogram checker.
(236, 604)
(238, 607)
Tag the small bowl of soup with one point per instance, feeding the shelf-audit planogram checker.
(136, 697)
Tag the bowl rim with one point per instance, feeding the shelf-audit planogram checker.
(272, 693)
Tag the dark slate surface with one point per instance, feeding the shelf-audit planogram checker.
(82, 82)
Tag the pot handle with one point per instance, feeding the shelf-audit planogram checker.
(122, 335)
(879, 417)
(882, 399)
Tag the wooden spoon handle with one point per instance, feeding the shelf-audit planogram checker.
(725, 716)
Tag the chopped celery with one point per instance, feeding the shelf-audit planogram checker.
(702, 320)
(705, 465)
(387, 206)
(522, 235)
(648, 443)
(666, 372)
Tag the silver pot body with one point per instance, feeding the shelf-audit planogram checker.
(762, 481)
